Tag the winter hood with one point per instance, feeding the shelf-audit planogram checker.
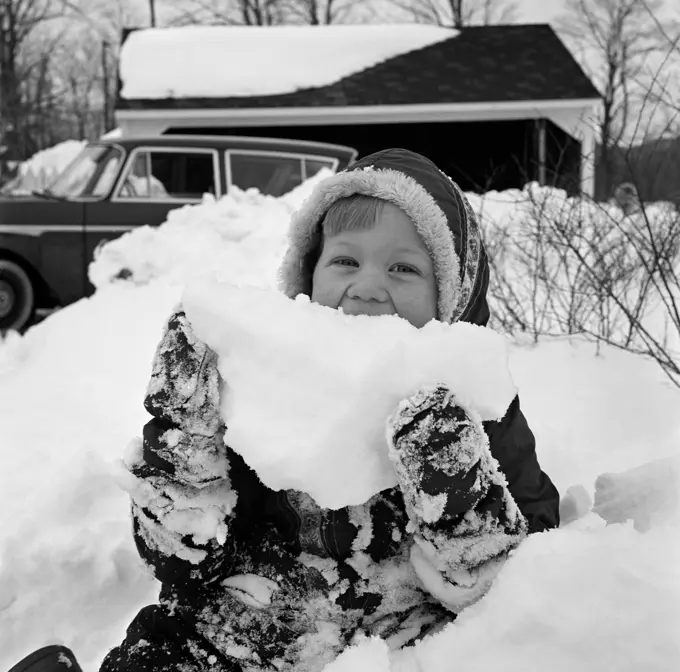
(440, 211)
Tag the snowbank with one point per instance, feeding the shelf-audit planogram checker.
(225, 61)
(241, 237)
(43, 167)
(586, 597)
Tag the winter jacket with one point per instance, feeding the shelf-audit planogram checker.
(288, 585)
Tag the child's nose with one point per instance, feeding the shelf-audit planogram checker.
(369, 286)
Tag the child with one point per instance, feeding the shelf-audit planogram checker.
(288, 585)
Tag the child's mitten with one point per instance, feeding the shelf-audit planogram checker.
(460, 509)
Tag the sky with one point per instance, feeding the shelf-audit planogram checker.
(540, 11)
(546, 11)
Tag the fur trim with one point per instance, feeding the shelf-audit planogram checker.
(470, 254)
(396, 188)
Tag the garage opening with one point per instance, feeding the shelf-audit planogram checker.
(479, 156)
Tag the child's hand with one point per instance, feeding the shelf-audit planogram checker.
(435, 446)
(460, 510)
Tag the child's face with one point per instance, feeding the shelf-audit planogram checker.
(382, 270)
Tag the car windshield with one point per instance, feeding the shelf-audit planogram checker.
(90, 174)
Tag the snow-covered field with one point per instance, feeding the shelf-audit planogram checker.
(585, 597)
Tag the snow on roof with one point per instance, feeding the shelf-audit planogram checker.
(225, 61)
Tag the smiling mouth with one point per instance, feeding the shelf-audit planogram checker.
(371, 311)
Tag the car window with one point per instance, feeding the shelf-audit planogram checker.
(270, 174)
(313, 166)
(163, 174)
(105, 175)
(91, 173)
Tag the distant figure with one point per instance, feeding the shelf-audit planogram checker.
(627, 198)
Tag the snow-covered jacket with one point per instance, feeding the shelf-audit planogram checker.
(286, 584)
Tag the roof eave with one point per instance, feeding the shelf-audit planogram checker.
(368, 114)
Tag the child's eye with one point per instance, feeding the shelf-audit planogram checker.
(404, 268)
(345, 261)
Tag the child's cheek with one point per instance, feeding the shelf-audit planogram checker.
(325, 291)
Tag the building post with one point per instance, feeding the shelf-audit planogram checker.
(588, 146)
(541, 139)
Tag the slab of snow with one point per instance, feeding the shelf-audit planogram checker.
(225, 61)
(326, 383)
(587, 597)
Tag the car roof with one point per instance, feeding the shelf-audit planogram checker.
(233, 142)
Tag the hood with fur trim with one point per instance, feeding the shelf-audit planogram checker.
(440, 211)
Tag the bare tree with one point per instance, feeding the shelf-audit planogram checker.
(18, 20)
(460, 13)
(613, 40)
(320, 12)
(99, 24)
(268, 12)
(231, 12)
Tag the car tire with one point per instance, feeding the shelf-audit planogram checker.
(17, 296)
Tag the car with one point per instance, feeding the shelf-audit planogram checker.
(48, 239)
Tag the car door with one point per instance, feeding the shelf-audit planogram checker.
(48, 234)
(155, 180)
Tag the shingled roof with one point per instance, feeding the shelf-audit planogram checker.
(487, 64)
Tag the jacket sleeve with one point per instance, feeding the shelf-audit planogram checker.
(512, 443)
(178, 474)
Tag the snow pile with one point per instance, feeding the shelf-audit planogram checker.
(71, 394)
(612, 604)
(271, 59)
(240, 237)
(42, 169)
(648, 495)
(326, 383)
(586, 597)
(69, 571)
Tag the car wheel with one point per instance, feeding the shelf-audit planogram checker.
(17, 297)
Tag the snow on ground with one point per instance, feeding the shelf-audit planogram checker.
(585, 597)
(278, 57)
(524, 230)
